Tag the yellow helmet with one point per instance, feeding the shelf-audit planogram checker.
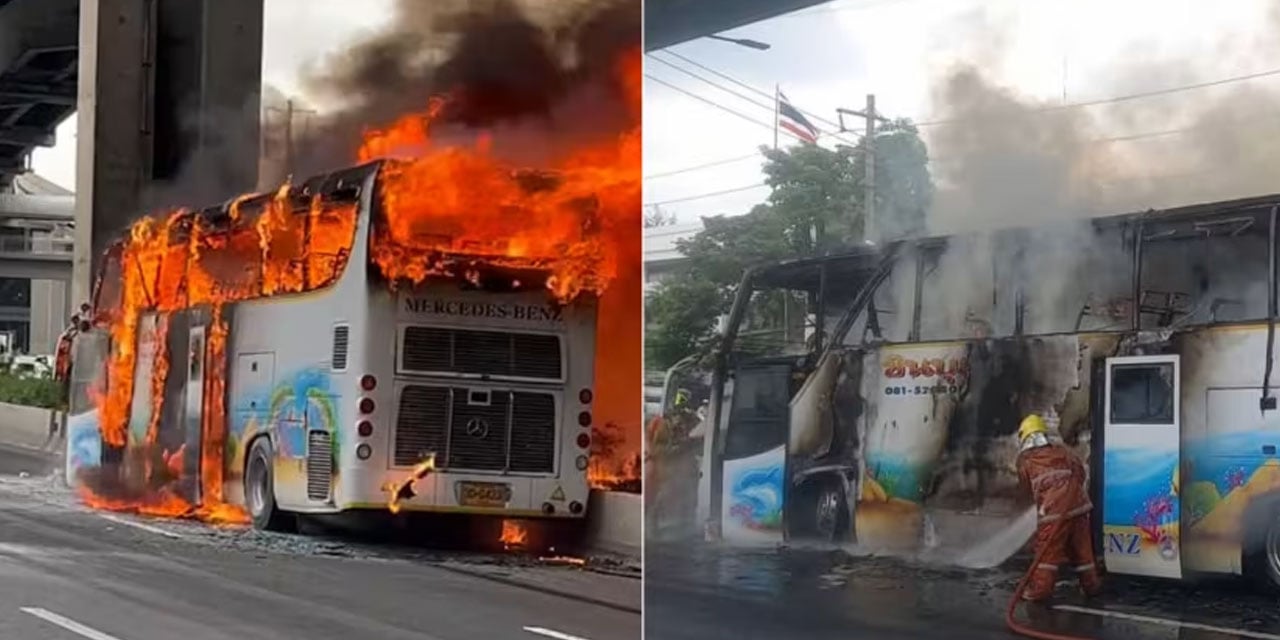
(1031, 424)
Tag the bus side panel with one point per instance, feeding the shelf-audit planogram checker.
(581, 354)
(84, 435)
(283, 384)
(1230, 443)
(937, 437)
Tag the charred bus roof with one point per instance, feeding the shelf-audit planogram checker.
(1228, 217)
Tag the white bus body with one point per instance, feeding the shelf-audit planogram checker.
(352, 385)
(1154, 360)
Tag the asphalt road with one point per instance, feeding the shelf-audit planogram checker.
(698, 593)
(69, 573)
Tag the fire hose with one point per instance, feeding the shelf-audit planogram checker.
(1059, 532)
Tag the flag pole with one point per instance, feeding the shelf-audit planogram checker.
(777, 101)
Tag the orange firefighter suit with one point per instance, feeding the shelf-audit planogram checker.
(1056, 479)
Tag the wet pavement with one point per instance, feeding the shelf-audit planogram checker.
(68, 572)
(698, 591)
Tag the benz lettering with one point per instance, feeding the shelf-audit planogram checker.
(500, 311)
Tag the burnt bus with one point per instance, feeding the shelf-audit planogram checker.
(872, 398)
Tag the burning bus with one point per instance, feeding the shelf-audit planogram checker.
(883, 412)
(382, 337)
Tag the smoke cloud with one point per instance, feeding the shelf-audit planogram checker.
(1004, 159)
(537, 76)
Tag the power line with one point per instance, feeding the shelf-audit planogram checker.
(838, 8)
(721, 87)
(772, 108)
(714, 104)
(711, 194)
(748, 87)
(705, 165)
(1123, 98)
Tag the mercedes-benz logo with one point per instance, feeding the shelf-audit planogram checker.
(477, 428)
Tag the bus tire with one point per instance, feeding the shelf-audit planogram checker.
(1261, 562)
(259, 491)
(826, 517)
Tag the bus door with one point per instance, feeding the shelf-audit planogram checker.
(755, 454)
(193, 406)
(1140, 466)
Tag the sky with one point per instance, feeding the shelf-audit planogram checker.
(825, 57)
(284, 54)
(832, 55)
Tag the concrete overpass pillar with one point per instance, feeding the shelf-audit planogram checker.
(113, 147)
(168, 109)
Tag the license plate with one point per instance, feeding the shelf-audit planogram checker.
(483, 494)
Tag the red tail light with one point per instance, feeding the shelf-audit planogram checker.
(585, 396)
(368, 383)
(584, 441)
(584, 418)
(365, 428)
(367, 405)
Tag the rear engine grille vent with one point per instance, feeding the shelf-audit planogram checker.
(493, 353)
(480, 430)
(341, 339)
(319, 464)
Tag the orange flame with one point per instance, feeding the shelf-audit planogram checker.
(403, 490)
(445, 212)
(184, 261)
(513, 534)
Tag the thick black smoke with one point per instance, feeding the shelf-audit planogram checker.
(537, 74)
(1004, 159)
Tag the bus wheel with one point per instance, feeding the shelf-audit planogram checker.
(259, 491)
(830, 518)
(1262, 559)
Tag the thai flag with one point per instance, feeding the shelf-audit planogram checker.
(792, 120)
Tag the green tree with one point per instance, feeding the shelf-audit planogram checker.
(656, 217)
(815, 207)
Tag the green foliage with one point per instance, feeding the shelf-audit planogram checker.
(32, 392)
(816, 206)
(656, 217)
(904, 188)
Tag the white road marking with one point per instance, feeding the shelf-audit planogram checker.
(1243, 633)
(551, 633)
(140, 525)
(68, 624)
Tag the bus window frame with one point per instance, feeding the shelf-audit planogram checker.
(1166, 230)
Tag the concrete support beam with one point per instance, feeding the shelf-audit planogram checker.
(31, 267)
(113, 153)
(177, 110)
(53, 208)
(60, 94)
(26, 137)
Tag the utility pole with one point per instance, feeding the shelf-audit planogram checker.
(869, 158)
(290, 112)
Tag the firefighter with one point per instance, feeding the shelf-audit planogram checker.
(1057, 482)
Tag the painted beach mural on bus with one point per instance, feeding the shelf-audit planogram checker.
(932, 427)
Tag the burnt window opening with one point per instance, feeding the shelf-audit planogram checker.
(1074, 277)
(890, 311)
(1204, 271)
(959, 291)
(1142, 394)
(758, 420)
(777, 322)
